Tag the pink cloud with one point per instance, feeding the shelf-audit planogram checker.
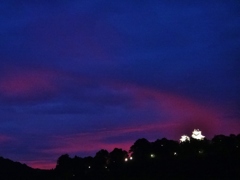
(4, 138)
(27, 83)
(188, 114)
(40, 164)
(182, 111)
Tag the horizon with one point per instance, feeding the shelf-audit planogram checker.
(199, 137)
(76, 77)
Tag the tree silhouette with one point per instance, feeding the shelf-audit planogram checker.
(117, 156)
(101, 159)
(165, 148)
(141, 149)
(65, 166)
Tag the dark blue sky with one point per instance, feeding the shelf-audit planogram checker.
(76, 77)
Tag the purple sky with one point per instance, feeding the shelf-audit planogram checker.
(76, 77)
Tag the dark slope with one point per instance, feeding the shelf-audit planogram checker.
(10, 170)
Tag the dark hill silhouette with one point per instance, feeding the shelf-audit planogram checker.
(218, 158)
(10, 170)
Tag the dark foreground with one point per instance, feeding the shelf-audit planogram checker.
(167, 169)
(162, 159)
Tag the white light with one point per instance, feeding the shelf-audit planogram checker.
(131, 158)
(105, 167)
(175, 153)
(184, 138)
(126, 159)
(89, 167)
(197, 134)
(152, 155)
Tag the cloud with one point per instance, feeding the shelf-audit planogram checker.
(177, 108)
(29, 84)
(5, 139)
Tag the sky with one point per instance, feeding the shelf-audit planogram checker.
(80, 76)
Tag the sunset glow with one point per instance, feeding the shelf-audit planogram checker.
(80, 76)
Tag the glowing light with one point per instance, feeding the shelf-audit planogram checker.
(175, 153)
(152, 155)
(131, 158)
(184, 138)
(126, 159)
(197, 134)
(89, 167)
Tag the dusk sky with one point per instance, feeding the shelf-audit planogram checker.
(80, 76)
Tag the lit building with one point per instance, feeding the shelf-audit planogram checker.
(184, 138)
(197, 134)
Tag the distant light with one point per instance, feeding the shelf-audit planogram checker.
(200, 151)
(152, 155)
(175, 153)
(131, 158)
(184, 138)
(197, 134)
(105, 167)
(126, 159)
(89, 167)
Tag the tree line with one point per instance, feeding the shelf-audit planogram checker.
(163, 158)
